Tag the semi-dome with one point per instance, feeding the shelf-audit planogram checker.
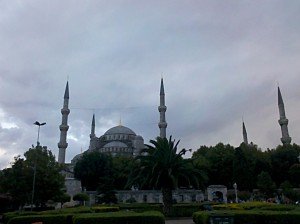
(119, 130)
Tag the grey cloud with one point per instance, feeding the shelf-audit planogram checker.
(220, 61)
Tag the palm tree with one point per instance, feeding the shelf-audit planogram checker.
(161, 167)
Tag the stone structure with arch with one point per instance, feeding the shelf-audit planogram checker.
(217, 193)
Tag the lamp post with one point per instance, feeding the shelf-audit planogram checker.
(34, 169)
(38, 137)
(235, 191)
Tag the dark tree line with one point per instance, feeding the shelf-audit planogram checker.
(248, 166)
(243, 165)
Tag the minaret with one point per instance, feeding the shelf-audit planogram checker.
(162, 110)
(93, 139)
(62, 145)
(283, 121)
(245, 134)
(92, 135)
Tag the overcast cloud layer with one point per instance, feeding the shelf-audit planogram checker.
(221, 61)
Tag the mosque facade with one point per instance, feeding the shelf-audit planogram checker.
(117, 141)
(122, 141)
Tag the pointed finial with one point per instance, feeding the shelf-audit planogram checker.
(120, 121)
(66, 96)
(93, 121)
(280, 101)
(162, 90)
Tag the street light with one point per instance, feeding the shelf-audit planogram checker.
(39, 124)
(34, 169)
(235, 191)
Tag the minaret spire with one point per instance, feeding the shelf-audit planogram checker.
(245, 137)
(162, 111)
(93, 138)
(92, 135)
(62, 145)
(283, 121)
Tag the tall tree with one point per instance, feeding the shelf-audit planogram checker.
(266, 184)
(282, 158)
(161, 166)
(48, 184)
(243, 169)
(17, 181)
(217, 161)
(92, 169)
(122, 167)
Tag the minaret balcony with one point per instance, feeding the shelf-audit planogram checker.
(62, 145)
(162, 124)
(283, 121)
(63, 127)
(65, 111)
(286, 140)
(162, 108)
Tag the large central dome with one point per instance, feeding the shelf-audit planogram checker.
(119, 130)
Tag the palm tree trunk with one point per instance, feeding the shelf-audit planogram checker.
(167, 200)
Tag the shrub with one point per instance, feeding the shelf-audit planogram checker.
(75, 210)
(45, 219)
(247, 206)
(81, 197)
(131, 200)
(185, 210)
(201, 217)
(105, 209)
(249, 217)
(120, 218)
(9, 215)
(244, 195)
(140, 207)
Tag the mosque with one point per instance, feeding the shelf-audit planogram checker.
(122, 141)
(117, 141)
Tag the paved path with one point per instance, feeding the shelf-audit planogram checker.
(180, 221)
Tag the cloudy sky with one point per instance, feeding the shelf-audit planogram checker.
(221, 61)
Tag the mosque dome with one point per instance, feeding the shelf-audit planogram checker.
(76, 158)
(119, 130)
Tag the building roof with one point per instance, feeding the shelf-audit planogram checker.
(115, 144)
(119, 130)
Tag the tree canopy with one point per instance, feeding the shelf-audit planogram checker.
(161, 165)
(18, 180)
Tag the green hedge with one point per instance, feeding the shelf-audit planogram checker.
(45, 219)
(9, 215)
(106, 209)
(120, 218)
(185, 210)
(178, 210)
(255, 206)
(80, 209)
(250, 216)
